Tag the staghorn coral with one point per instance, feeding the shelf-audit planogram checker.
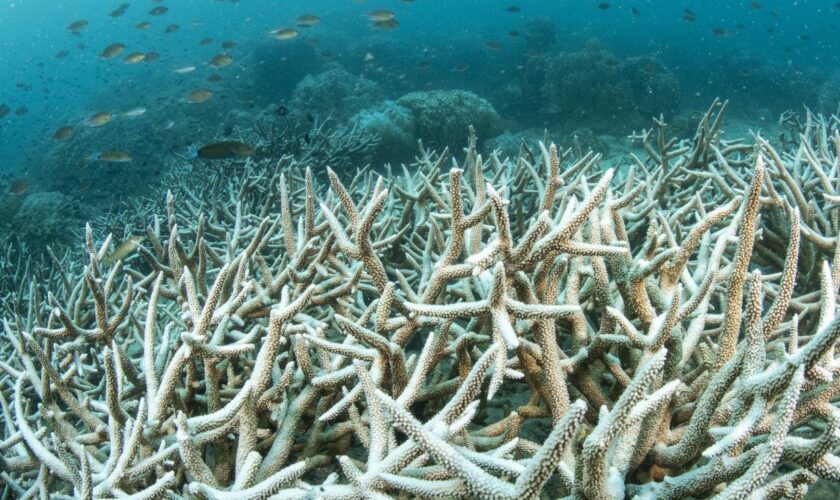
(300, 337)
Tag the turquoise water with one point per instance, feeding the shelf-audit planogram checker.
(765, 57)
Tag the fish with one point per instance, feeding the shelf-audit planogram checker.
(720, 32)
(168, 125)
(123, 250)
(184, 70)
(635, 11)
(4, 110)
(19, 186)
(688, 15)
(112, 50)
(222, 150)
(284, 33)
(100, 119)
(119, 11)
(21, 110)
(134, 58)
(221, 60)
(380, 15)
(159, 11)
(282, 110)
(604, 5)
(215, 77)
(151, 57)
(755, 5)
(76, 27)
(61, 54)
(228, 44)
(198, 96)
(205, 41)
(307, 20)
(64, 133)
(390, 24)
(493, 45)
(172, 28)
(462, 67)
(144, 25)
(134, 112)
(110, 157)
(513, 33)
(513, 9)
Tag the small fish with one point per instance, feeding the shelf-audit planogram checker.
(64, 133)
(112, 50)
(172, 28)
(134, 58)
(722, 33)
(284, 33)
(184, 70)
(168, 125)
(805, 38)
(221, 60)
(228, 44)
(19, 186)
(123, 250)
(222, 150)
(198, 96)
(158, 11)
(99, 119)
(144, 25)
(110, 157)
(205, 41)
(76, 27)
(119, 11)
(513, 33)
(688, 15)
(215, 77)
(61, 54)
(390, 24)
(635, 11)
(151, 57)
(21, 110)
(307, 20)
(604, 5)
(462, 67)
(134, 112)
(755, 5)
(513, 9)
(4, 110)
(282, 110)
(380, 15)
(493, 45)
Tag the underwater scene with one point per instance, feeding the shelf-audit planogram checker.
(340, 249)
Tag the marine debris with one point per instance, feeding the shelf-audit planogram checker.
(477, 326)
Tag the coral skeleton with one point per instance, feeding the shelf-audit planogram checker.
(471, 326)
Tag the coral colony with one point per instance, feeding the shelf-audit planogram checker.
(474, 326)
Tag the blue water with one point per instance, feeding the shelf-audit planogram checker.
(773, 55)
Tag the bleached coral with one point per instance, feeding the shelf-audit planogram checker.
(331, 336)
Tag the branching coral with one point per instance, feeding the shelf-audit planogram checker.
(350, 337)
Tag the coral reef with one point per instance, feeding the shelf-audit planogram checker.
(596, 89)
(48, 217)
(334, 93)
(441, 116)
(671, 326)
(393, 124)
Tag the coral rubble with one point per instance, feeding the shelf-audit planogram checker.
(300, 333)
